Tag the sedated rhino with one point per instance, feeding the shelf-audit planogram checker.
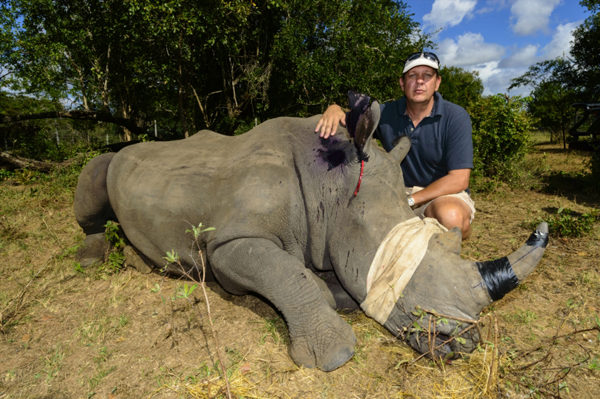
(283, 203)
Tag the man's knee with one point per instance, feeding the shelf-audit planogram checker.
(450, 214)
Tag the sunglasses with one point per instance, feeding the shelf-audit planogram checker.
(426, 54)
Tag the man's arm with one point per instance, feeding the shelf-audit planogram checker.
(330, 119)
(454, 182)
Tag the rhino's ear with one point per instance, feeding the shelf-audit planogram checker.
(401, 146)
(366, 128)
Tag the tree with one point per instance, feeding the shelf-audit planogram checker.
(460, 86)
(325, 48)
(209, 64)
(586, 53)
(552, 94)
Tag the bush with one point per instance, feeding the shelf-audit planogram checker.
(565, 224)
(501, 128)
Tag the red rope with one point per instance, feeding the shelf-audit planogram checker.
(362, 167)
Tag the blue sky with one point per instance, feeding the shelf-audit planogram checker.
(499, 38)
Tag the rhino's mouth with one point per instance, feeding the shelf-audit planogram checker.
(395, 262)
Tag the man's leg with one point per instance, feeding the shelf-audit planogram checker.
(451, 212)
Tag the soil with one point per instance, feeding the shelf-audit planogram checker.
(68, 332)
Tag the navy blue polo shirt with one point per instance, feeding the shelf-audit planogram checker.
(441, 142)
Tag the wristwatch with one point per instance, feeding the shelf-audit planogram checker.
(411, 201)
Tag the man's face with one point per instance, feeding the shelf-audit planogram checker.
(420, 83)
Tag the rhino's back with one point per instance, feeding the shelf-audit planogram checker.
(243, 186)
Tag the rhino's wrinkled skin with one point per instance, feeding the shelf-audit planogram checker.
(281, 200)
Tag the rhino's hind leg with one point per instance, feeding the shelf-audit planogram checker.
(93, 210)
(319, 337)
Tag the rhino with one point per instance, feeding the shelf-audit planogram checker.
(299, 221)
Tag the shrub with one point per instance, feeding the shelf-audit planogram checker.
(564, 224)
(501, 128)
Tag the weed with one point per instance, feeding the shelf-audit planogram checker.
(199, 266)
(115, 237)
(594, 364)
(78, 268)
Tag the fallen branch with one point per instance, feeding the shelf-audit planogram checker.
(41, 166)
(129, 124)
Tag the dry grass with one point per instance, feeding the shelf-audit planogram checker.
(69, 333)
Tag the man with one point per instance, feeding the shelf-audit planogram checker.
(438, 166)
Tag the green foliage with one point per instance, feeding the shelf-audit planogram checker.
(114, 235)
(552, 95)
(500, 135)
(585, 52)
(564, 224)
(186, 291)
(460, 86)
(207, 64)
(325, 48)
(197, 230)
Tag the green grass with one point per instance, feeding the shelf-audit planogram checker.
(53, 363)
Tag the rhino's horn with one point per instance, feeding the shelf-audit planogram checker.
(503, 275)
(367, 123)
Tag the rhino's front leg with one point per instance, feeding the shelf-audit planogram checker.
(319, 337)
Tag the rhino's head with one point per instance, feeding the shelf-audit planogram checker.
(445, 294)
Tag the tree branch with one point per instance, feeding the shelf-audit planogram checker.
(78, 115)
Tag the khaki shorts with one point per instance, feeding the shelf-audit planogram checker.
(463, 195)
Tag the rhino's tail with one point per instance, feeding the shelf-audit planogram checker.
(503, 275)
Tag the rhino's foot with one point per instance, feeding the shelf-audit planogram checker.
(327, 351)
(93, 250)
(136, 260)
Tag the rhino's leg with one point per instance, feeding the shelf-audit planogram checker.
(343, 300)
(319, 337)
(92, 209)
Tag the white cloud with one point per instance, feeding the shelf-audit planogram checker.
(561, 41)
(532, 15)
(447, 13)
(496, 79)
(522, 57)
(470, 49)
(492, 5)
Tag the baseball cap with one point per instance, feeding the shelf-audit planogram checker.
(421, 58)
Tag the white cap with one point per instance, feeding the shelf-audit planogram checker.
(418, 62)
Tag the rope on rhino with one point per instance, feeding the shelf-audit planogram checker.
(394, 264)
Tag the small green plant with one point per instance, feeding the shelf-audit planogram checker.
(594, 364)
(78, 268)
(115, 238)
(198, 267)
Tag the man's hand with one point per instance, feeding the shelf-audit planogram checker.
(328, 123)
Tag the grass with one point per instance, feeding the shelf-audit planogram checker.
(76, 333)
(275, 330)
(53, 363)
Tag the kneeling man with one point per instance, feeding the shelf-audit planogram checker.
(438, 165)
